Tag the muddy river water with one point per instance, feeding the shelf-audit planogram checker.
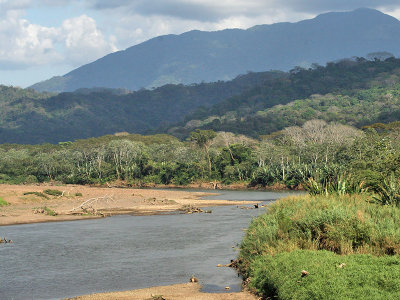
(66, 259)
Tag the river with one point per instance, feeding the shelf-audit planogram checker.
(66, 259)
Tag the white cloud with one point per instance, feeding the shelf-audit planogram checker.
(83, 40)
(133, 28)
(214, 11)
(76, 42)
(24, 43)
(393, 11)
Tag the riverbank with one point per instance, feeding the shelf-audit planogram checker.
(31, 204)
(186, 291)
(324, 247)
(209, 185)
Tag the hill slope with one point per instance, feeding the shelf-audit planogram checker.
(197, 56)
(27, 117)
(357, 92)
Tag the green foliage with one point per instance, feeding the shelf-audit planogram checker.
(342, 224)
(330, 276)
(156, 297)
(3, 202)
(53, 192)
(202, 137)
(318, 156)
(39, 194)
(389, 191)
(17, 179)
(49, 211)
(350, 92)
(26, 117)
(338, 185)
(307, 233)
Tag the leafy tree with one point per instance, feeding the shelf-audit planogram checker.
(203, 139)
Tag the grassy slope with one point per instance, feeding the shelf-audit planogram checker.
(348, 229)
(331, 276)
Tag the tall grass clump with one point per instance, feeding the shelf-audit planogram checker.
(341, 184)
(39, 194)
(329, 276)
(388, 193)
(317, 231)
(52, 192)
(342, 224)
(3, 202)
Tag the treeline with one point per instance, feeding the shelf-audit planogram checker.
(336, 92)
(327, 153)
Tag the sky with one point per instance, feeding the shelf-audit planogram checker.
(40, 39)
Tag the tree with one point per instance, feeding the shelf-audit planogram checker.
(203, 139)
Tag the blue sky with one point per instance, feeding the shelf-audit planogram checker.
(44, 38)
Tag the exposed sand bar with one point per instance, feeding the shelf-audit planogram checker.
(186, 291)
(23, 209)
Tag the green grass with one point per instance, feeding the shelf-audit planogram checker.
(360, 277)
(3, 202)
(39, 194)
(53, 192)
(323, 230)
(49, 211)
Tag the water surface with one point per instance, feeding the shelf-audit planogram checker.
(65, 259)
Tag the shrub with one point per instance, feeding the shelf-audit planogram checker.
(53, 192)
(39, 194)
(49, 211)
(3, 202)
(388, 192)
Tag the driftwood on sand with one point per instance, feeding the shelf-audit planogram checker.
(87, 205)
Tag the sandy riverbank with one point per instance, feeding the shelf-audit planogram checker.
(186, 291)
(28, 208)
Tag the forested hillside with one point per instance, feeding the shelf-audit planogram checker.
(355, 92)
(29, 117)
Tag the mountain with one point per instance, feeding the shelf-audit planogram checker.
(197, 56)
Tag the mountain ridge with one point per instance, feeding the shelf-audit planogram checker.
(196, 56)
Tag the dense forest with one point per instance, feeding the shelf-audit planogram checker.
(336, 92)
(33, 118)
(253, 104)
(317, 155)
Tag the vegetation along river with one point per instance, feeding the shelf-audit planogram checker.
(65, 259)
